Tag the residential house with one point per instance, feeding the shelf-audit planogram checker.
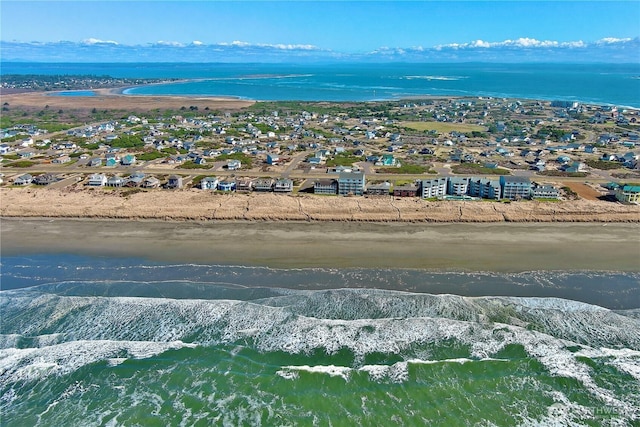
(381, 189)
(128, 160)
(112, 159)
(544, 191)
(25, 179)
(263, 184)
(227, 185)
(61, 159)
(387, 160)
(283, 185)
(244, 185)
(97, 180)
(209, 183)
(95, 162)
(45, 179)
(135, 180)
(273, 159)
(151, 182)
(174, 181)
(628, 194)
(325, 186)
(234, 164)
(115, 181)
(574, 167)
(405, 191)
(314, 161)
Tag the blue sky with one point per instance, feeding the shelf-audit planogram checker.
(340, 26)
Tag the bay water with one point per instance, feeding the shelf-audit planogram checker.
(613, 84)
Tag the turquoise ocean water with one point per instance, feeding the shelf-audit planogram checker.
(111, 341)
(617, 84)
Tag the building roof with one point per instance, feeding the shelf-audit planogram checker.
(515, 179)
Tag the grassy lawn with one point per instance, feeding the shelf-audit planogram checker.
(190, 165)
(474, 168)
(21, 164)
(444, 127)
(344, 159)
(406, 169)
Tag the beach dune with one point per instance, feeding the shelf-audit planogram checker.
(201, 205)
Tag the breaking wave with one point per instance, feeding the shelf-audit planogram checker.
(355, 335)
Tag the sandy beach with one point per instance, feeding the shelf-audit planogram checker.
(502, 247)
(309, 231)
(114, 99)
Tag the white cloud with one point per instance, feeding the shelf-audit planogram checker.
(98, 41)
(522, 42)
(279, 46)
(235, 43)
(197, 43)
(531, 43)
(612, 40)
(167, 43)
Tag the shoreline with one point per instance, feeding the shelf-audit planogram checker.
(452, 247)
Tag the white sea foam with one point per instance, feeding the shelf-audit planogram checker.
(440, 78)
(30, 364)
(331, 370)
(362, 321)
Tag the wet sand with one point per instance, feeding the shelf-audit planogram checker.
(499, 247)
(113, 99)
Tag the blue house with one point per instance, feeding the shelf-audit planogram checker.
(128, 160)
(226, 185)
(273, 159)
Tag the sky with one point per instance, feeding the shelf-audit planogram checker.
(339, 26)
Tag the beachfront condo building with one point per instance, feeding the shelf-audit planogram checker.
(628, 194)
(485, 188)
(351, 183)
(515, 187)
(436, 187)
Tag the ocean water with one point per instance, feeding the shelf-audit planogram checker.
(115, 341)
(617, 84)
(75, 93)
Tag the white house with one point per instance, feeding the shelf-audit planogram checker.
(233, 165)
(98, 180)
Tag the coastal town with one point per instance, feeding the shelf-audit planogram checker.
(434, 149)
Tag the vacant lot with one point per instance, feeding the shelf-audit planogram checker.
(444, 127)
(583, 190)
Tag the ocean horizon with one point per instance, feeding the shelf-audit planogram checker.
(607, 84)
